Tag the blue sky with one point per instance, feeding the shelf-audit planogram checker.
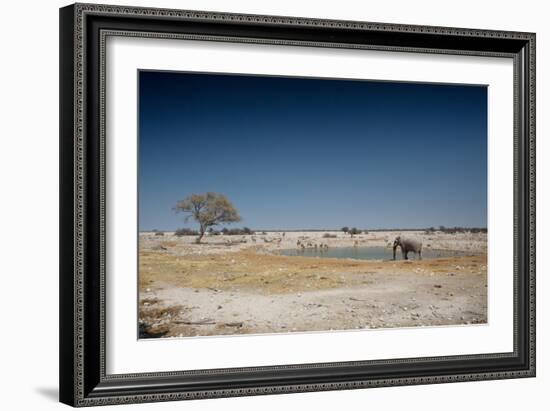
(294, 153)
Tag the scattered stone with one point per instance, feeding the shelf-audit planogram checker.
(205, 321)
(234, 324)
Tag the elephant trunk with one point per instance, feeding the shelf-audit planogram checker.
(394, 248)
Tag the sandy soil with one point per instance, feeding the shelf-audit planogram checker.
(239, 285)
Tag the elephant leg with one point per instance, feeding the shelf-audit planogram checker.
(405, 255)
(420, 254)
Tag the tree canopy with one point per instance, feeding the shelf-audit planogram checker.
(208, 209)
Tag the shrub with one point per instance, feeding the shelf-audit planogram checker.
(159, 233)
(185, 231)
(454, 230)
(328, 235)
(237, 231)
(354, 231)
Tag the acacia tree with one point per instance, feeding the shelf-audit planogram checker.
(208, 210)
(354, 231)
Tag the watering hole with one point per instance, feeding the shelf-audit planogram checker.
(370, 253)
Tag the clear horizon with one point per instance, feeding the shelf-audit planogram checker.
(319, 229)
(302, 153)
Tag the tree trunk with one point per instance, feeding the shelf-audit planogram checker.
(201, 235)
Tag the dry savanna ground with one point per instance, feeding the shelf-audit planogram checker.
(241, 285)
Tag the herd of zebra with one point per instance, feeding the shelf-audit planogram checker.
(303, 245)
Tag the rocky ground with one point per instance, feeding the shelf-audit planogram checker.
(239, 285)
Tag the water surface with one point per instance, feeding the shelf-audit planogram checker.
(369, 253)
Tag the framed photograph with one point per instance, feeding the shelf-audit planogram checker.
(262, 204)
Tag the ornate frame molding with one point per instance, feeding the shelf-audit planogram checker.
(83, 41)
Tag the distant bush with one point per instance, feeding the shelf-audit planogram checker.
(354, 231)
(328, 235)
(345, 229)
(454, 230)
(237, 231)
(185, 231)
(159, 233)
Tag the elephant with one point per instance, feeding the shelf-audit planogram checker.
(407, 244)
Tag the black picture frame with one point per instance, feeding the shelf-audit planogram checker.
(83, 29)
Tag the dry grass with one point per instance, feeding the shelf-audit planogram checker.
(150, 314)
(275, 274)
